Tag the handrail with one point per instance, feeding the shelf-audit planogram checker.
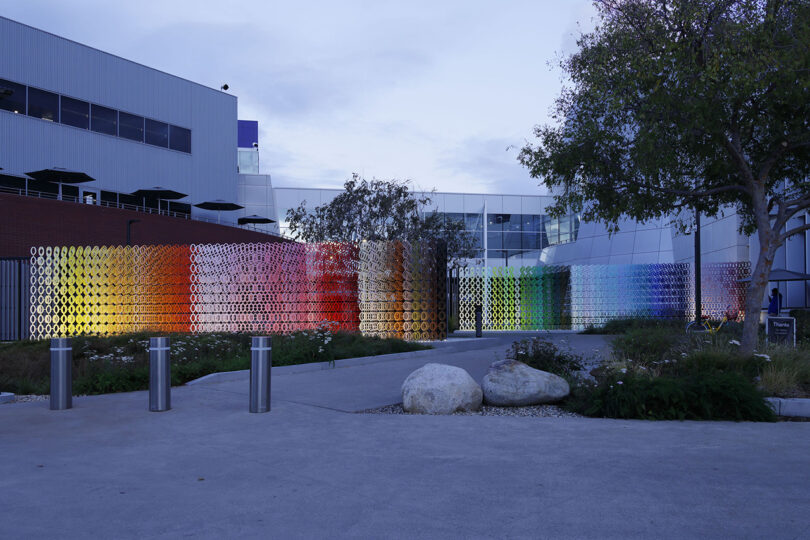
(135, 208)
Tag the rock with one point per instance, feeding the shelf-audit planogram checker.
(512, 383)
(440, 389)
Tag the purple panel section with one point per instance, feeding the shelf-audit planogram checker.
(248, 133)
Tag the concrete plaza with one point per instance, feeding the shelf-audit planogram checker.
(313, 468)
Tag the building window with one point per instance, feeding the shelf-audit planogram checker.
(157, 133)
(75, 113)
(130, 126)
(103, 120)
(42, 104)
(12, 97)
(180, 139)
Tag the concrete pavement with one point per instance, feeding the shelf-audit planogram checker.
(208, 468)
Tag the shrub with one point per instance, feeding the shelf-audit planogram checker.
(545, 356)
(787, 374)
(646, 345)
(622, 326)
(802, 324)
(713, 396)
(121, 363)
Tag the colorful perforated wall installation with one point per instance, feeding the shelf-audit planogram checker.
(257, 288)
(402, 288)
(574, 297)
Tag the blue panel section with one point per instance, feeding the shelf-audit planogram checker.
(248, 133)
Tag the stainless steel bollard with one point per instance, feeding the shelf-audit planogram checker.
(479, 320)
(61, 374)
(261, 363)
(160, 376)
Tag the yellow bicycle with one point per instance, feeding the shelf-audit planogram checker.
(705, 325)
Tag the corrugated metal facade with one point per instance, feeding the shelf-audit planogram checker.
(15, 299)
(39, 59)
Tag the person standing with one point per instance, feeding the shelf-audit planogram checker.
(775, 302)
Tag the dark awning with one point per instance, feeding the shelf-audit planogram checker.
(61, 176)
(254, 219)
(218, 204)
(159, 192)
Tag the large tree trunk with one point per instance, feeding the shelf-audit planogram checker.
(768, 242)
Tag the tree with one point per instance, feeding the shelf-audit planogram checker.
(675, 104)
(380, 210)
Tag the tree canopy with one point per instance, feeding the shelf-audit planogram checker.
(686, 103)
(374, 210)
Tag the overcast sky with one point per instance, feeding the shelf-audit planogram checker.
(443, 93)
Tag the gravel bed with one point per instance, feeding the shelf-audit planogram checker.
(546, 411)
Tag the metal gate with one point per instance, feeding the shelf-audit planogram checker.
(15, 298)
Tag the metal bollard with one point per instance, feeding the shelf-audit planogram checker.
(160, 377)
(261, 363)
(479, 320)
(61, 374)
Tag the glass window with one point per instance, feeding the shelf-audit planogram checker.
(180, 139)
(477, 239)
(530, 241)
(12, 97)
(511, 240)
(565, 229)
(75, 113)
(42, 104)
(130, 126)
(103, 120)
(512, 222)
(474, 222)
(537, 223)
(248, 161)
(494, 222)
(453, 216)
(552, 228)
(157, 133)
(494, 240)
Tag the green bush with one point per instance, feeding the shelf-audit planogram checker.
(545, 356)
(622, 326)
(121, 363)
(712, 396)
(802, 325)
(647, 345)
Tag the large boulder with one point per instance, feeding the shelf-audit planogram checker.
(512, 383)
(440, 389)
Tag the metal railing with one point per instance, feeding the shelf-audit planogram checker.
(135, 208)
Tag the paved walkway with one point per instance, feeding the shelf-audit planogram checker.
(207, 468)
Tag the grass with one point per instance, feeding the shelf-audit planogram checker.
(121, 363)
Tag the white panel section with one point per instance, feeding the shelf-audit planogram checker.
(622, 243)
(645, 258)
(494, 204)
(453, 202)
(512, 204)
(473, 204)
(647, 241)
(42, 60)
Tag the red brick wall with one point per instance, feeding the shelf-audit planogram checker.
(28, 221)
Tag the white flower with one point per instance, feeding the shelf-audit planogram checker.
(683, 354)
(619, 382)
(624, 370)
(320, 349)
(733, 342)
(765, 356)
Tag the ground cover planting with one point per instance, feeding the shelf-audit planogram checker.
(121, 363)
